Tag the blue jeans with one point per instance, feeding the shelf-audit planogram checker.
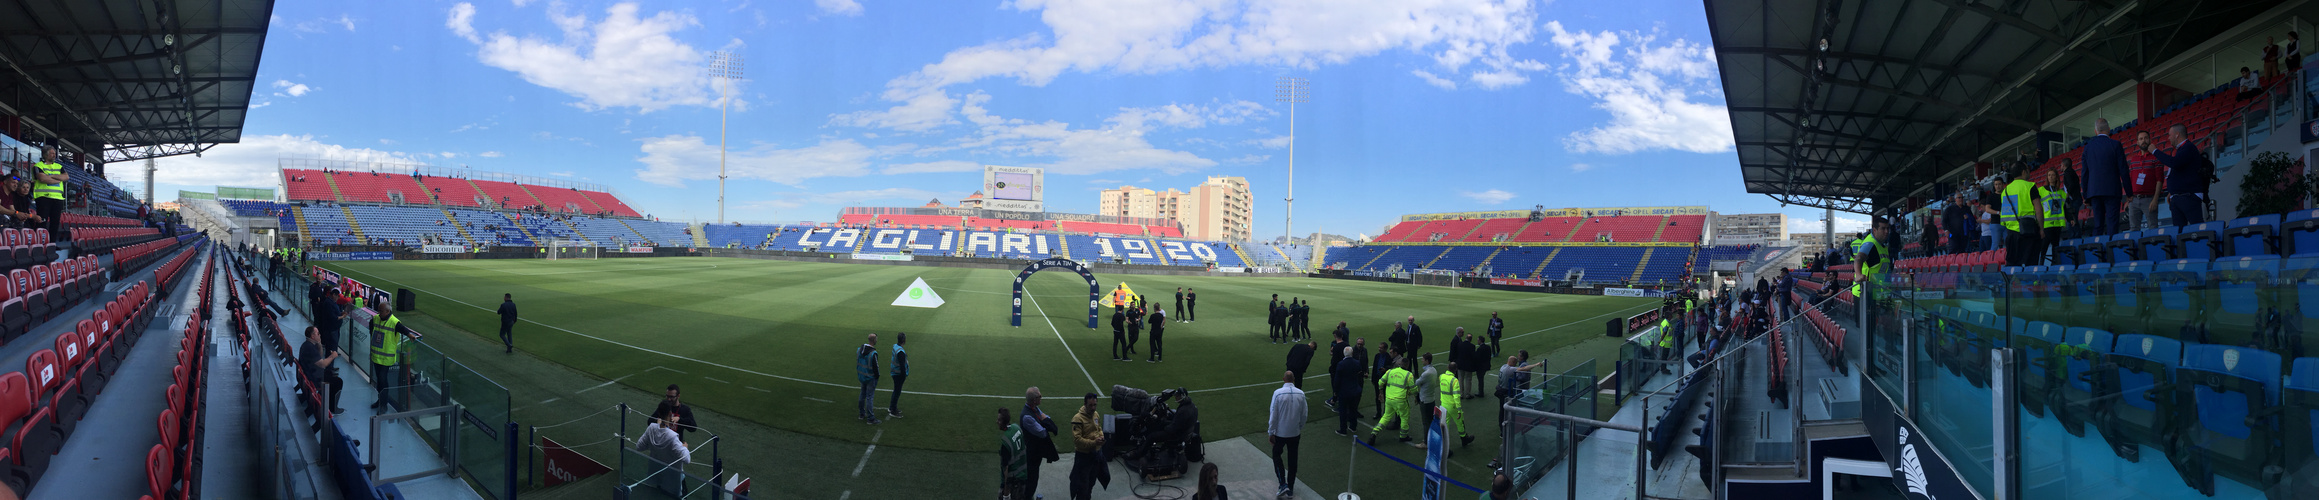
(1991, 235)
(869, 399)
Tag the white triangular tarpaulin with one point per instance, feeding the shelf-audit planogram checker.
(919, 295)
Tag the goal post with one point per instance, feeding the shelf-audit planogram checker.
(559, 249)
(1433, 277)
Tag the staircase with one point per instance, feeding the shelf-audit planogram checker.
(525, 230)
(1662, 231)
(454, 220)
(305, 232)
(1525, 229)
(1380, 255)
(535, 199)
(331, 179)
(600, 209)
(487, 201)
(1493, 256)
(351, 224)
(1437, 257)
(1574, 230)
(430, 194)
(1319, 258)
(1242, 253)
(1063, 246)
(1646, 262)
(700, 235)
(1469, 233)
(568, 224)
(632, 229)
(1156, 252)
(1542, 264)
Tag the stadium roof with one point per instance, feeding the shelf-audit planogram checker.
(1906, 90)
(133, 78)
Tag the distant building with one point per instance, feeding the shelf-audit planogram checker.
(1750, 229)
(1810, 240)
(1219, 209)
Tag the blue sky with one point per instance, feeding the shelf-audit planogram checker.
(1445, 105)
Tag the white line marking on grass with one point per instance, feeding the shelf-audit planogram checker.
(640, 348)
(548, 400)
(847, 494)
(607, 382)
(866, 452)
(811, 398)
(754, 388)
(1059, 338)
(658, 367)
(714, 379)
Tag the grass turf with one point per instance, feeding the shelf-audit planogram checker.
(770, 342)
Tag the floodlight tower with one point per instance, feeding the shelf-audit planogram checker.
(1291, 90)
(725, 67)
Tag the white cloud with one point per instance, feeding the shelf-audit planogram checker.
(348, 22)
(622, 60)
(1436, 81)
(521, 3)
(256, 161)
(1274, 142)
(291, 89)
(847, 198)
(490, 154)
(1813, 224)
(1580, 167)
(917, 114)
(1121, 144)
(1462, 37)
(932, 166)
(389, 142)
(462, 22)
(1249, 159)
(1648, 91)
(566, 173)
(671, 160)
(1490, 197)
(839, 7)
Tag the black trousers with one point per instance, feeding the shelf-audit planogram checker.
(894, 404)
(49, 210)
(1275, 331)
(2021, 247)
(1119, 344)
(1349, 411)
(507, 336)
(1191, 309)
(1155, 345)
(1180, 312)
(1133, 334)
(2105, 210)
(1284, 451)
(2187, 209)
(1299, 379)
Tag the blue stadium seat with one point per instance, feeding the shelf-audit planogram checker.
(2158, 244)
(2086, 292)
(2256, 235)
(2124, 247)
(2202, 241)
(2041, 369)
(2299, 232)
(2082, 349)
(2128, 310)
(2245, 297)
(2177, 298)
(2298, 302)
(2142, 375)
(2300, 399)
(2066, 253)
(2234, 393)
(2094, 249)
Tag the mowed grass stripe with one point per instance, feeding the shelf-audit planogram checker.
(801, 320)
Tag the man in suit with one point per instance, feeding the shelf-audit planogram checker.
(2105, 178)
(2187, 172)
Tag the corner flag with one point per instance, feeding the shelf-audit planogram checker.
(919, 295)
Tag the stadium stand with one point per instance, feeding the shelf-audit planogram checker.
(1462, 259)
(454, 191)
(1550, 229)
(307, 185)
(506, 194)
(609, 202)
(564, 200)
(1497, 230)
(375, 187)
(491, 228)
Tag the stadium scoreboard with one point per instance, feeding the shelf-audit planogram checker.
(1018, 189)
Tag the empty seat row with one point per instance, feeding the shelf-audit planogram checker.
(138, 255)
(84, 220)
(173, 465)
(36, 294)
(24, 247)
(97, 239)
(41, 406)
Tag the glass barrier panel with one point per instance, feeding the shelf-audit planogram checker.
(1953, 336)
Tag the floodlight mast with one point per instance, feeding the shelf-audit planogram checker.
(725, 67)
(1291, 90)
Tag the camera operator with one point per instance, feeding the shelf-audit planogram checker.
(1180, 425)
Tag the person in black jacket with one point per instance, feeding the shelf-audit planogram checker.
(1119, 334)
(1416, 337)
(1299, 359)
(1399, 339)
(1180, 302)
(507, 321)
(1191, 304)
(2187, 175)
(1348, 386)
(684, 419)
(1038, 439)
(1159, 321)
(1134, 325)
(1276, 321)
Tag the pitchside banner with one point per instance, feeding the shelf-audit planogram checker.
(1517, 282)
(564, 465)
(442, 249)
(1436, 452)
(1622, 292)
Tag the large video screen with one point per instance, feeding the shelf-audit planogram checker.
(1012, 186)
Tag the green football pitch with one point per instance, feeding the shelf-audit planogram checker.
(772, 341)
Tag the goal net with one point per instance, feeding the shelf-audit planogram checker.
(1430, 277)
(571, 250)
